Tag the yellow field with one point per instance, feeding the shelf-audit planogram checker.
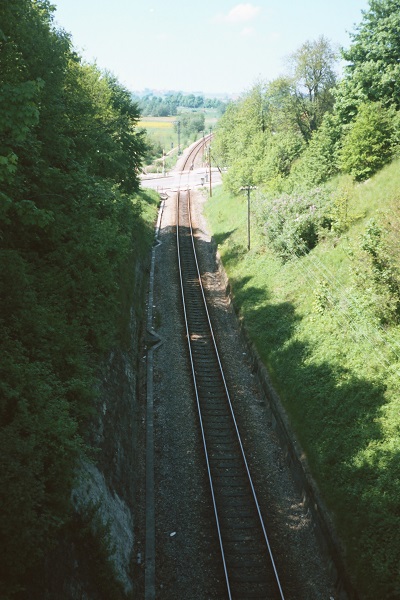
(156, 124)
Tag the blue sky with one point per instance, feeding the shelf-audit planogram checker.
(209, 46)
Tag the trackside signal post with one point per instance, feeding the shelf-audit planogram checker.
(178, 127)
(248, 188)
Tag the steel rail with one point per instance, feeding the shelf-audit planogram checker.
(196, 149)
(227, 395)
(198, 402)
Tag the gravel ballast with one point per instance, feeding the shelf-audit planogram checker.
(187, 563)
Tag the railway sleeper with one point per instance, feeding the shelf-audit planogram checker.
(217, 406)
(228, 482)
(256, 554)
(246, 593)
(227, 496)
(235, 503)
(210, 374)
(210, 414)
(239, 526)
(201, 344)
(220, 448)
(215, 410)
(204, 362)
(249, 548)
(219, 441)
(213, 428)
(211, 388)
(224, 476)
(252, 595)
(226, 458)
(238, 512)
(201, 354)
(230, 516)
(241, 563)
(237, 536)
(208, 393)
(217, 422)
(248, 578)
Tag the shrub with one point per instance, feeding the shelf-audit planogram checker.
(380, 276)
(292, 222)
(319, 161)
(370, 142)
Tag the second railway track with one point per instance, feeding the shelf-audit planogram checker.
(249, 566)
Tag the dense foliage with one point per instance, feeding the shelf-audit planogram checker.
(373, 70)
(70, 224)
(294, 223)
(300, 129)
(320, 289)
(189, 125)
(168, 105)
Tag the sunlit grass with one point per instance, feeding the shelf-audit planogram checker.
(337, 370)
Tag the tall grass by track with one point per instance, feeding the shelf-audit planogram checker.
(337, 370)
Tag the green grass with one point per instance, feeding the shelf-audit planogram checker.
(336, 369)
(161, 129)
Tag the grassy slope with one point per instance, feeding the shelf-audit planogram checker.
(336, 370)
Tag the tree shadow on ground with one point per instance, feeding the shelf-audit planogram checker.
(336, 415)
(220, 238)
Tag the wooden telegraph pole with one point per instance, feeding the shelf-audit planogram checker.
(209, 162)
(248, 188)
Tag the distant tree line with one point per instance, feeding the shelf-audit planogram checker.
(167, 106)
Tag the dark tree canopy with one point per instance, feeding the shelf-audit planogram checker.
(69, 160)
(373, 72)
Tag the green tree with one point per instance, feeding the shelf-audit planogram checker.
(319, 161)
(373, 72)
(313, 67)
(368, 143)
(69, 225)
(241, 139)
(191, 123)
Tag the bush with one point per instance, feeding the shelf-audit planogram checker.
(292, 222)
(380, 277)
(319, 161)
(370, 142)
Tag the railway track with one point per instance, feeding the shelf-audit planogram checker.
(195, 151)
(248, 563)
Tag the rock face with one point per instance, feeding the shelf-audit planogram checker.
(106, 489)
